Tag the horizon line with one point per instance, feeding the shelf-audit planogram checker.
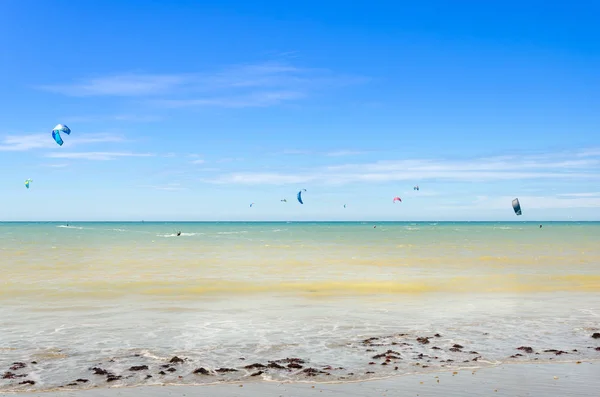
(298, 221)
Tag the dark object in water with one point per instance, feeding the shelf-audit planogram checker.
(10, 375)
(540, 226)
(17, 366)
(223, 370)
(201, 371)
(138, 368)
(99, 371)
(526, 349)
(254, 366)
(179, 233)
(596, 335)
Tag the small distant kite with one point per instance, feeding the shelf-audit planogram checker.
(516, 206)
(56, 133)
(344, 205)
(416, 187)
(299, 196)
(283, 200)
(251, 204)
(28, 182)
(397, 199)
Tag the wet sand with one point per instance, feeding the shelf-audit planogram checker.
(544, 380)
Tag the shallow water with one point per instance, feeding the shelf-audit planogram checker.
(116, 295)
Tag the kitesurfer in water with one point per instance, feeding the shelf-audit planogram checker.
(179, 233)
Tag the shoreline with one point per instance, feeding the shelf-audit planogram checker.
(531, 379)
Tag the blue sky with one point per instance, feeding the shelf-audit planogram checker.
(189, 110)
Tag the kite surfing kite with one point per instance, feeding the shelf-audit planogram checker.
(416, 187)
(397, 199)
(27, 182)
(251, 204)
(300, 196)
(283, 200)
(56, 133)
(516, 206)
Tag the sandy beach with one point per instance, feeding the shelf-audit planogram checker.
(547, 380)
(261, 304)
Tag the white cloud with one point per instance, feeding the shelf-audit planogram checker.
(61, 165)
(341, 153)
(120, 85)
(230, 159)
(27, 142)
(591, 152)
(478, 169)
(249, 85)
(96, 155)
(108, 118)
(333, 153)
(198, 161)
(167, 187)
(262, 179)
(587, 194)
(256, 99)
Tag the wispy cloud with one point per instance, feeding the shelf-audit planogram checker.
(332, 153)
(230, 160)
(131, 118)
(198, 161)
(591, 152)
(238, 86)
(477, 169)
(96, 155)
(27, 142)
(257, 99)
(120, 85)
(585, 194)
(342, 153)
(61, 165)
(167, 187)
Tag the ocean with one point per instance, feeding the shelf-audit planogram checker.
(120, 304)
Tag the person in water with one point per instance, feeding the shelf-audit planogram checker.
(179, 233)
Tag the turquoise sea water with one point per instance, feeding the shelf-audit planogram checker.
(116, 295)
